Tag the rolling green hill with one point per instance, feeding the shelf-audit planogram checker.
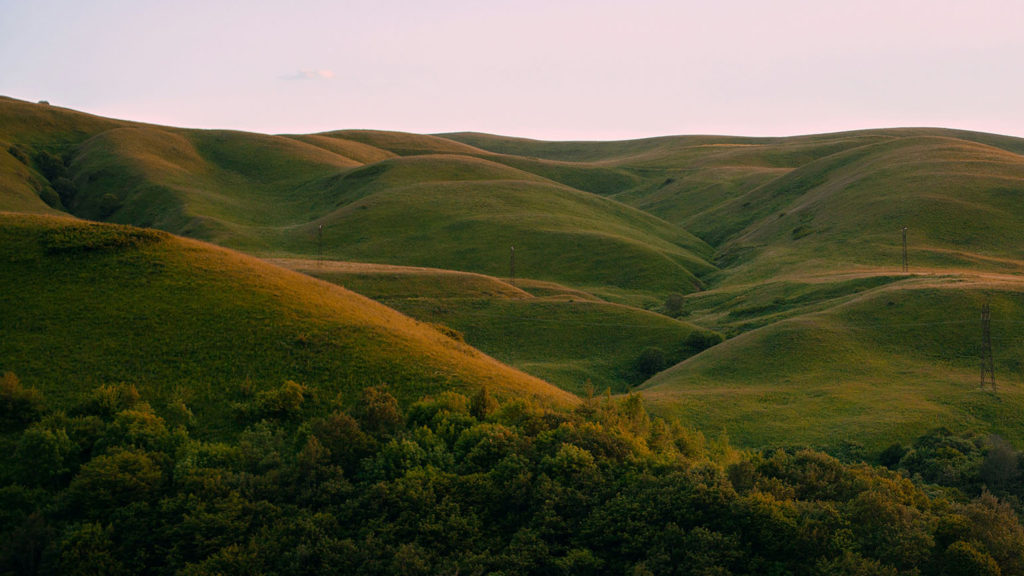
(782, 244)
(889, 362)
(959, 200)
(571, 339)
(379, 196)
(808, 238)
(86, 305)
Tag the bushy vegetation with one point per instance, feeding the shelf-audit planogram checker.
(452, 484)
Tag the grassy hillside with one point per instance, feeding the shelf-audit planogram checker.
(885, 363)
(808, 232)
(403, 215)
(831, 341)
(380, 197)
(770, 241)
(29, 130)
(960, 201)
(720, 188)
(86, 305)
(227, 187)
(571, 339)
(385, 281)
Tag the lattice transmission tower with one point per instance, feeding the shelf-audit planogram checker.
(906, 266)
(988, 371)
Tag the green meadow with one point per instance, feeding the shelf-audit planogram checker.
(751, 286)
(571, 339)
(198, 329)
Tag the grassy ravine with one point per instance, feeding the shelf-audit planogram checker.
(86, 305)
(571, 339)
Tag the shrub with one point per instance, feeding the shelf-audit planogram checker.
(674, 305)
(279, 403)
(43, 456)
(113, 480)
(702, 340)
(106, 401)
(19, 154)
(483, 404)
(65, 189)
(109, 204)
(51, 198)
(651, 361)
(19, 406)
(966, 558)
(50, 165)
(97, 237)
(378, 411)
(448, 331)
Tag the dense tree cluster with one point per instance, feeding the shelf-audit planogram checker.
(459, 485)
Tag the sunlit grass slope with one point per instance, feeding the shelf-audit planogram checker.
(885, 364)
(91, 304)
(26, 128)
(774, 242)
(576, 344)
(386, 281)
(722, 188)
(20, 188)
(679, 177)
(381, 197)
(404, 144)
(465, 213)
(960, 200)
(568, 338)
(226, 187)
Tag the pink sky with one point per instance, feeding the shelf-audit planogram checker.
(543, 69)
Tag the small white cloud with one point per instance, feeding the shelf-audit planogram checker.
(310, 75)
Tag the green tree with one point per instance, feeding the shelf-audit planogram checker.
(50, 165)
(650, 361)
(108, 400)
(967, 559)
(851, 563)
(674, 305)
(343, 438)
(281, 403)
(65, 189)
(44, 456)
(88, 550)
(483, 404)
(19, 406)
(378, 411)
(996, 527)
(1001, 466)
(109, 203)
(113, 480)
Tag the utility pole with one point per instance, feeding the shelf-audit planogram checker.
(512, 265)
(988, 373)
(906, 268)
(320, 246)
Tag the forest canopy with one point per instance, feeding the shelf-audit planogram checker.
(454, 484)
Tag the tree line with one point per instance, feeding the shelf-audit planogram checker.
(465, 484)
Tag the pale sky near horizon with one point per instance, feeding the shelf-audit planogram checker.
(548, 69)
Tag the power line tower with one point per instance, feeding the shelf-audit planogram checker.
(320, 246)
(988, 372)
(512, 265)
(906, 268)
